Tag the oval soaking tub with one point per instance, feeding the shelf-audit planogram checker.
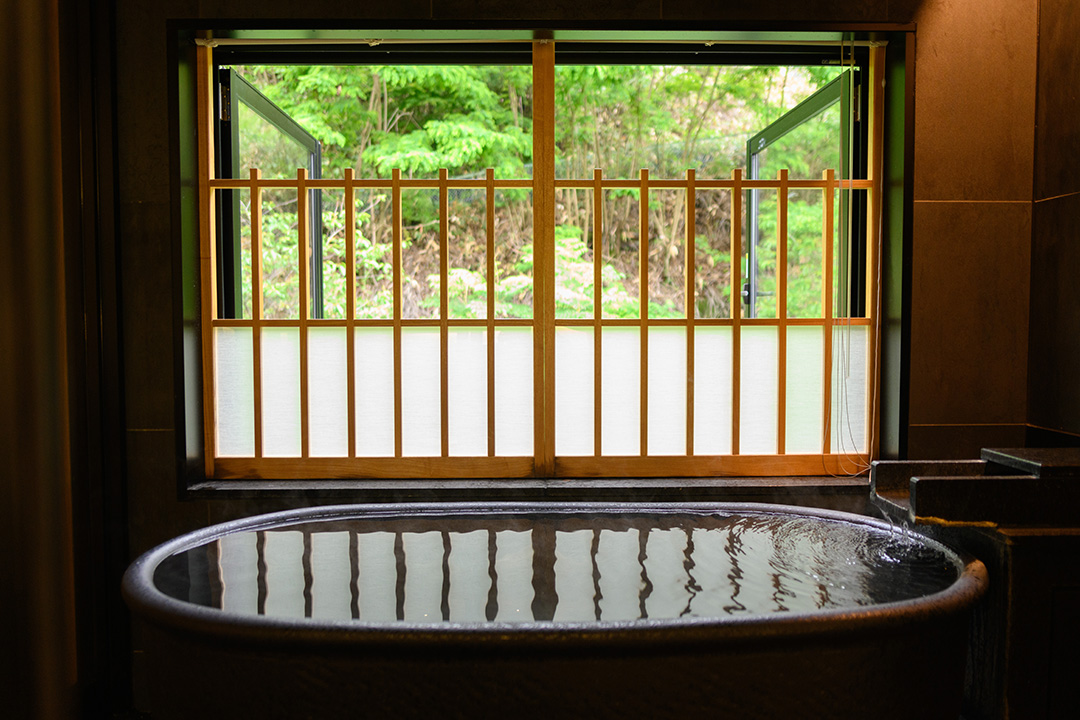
(530, 610)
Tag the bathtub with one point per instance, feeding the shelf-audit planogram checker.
(534, 610)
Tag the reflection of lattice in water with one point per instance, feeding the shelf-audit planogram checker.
(600, 567)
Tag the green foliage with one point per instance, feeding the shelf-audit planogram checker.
(421, 119)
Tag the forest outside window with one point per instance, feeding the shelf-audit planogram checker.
(598, 263)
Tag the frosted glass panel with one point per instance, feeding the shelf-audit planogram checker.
(667, 391)
(513, 568)
(804, 432)
(423, 577)
(621, 391)
(374, 366)
(849, 389)
(377, 579)
(513, 391)
(281, 392)
(620, 575)
(285, 573)
(421, 395)
(469, 580)
(574, 391)
(239, 560)
(328, 411)
(712, 391)
(331, 597)
(574, 575)
(467, 391)
(758, 391)
(234, 386)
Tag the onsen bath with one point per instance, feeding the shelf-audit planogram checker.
(747, 611)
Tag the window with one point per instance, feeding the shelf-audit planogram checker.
(705, 322)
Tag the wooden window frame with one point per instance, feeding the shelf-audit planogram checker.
(544, 462)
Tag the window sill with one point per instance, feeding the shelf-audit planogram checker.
(846, 493)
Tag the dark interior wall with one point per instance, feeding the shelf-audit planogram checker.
(974, 154)
(1054, 377)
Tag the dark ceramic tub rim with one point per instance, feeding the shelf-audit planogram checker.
(154, 606)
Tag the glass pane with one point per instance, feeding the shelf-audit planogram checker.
(468, 253)
(758, 391)
(513, 254)
(667, 391)
(806, 151)
(266, 147)
(281, 391)
(759, 270)
(335, 287)
(804, 261)
(574, 268)
(280, 255)
(374, 366)
(420, 253)
(667, 253)
(469, 580)
(574, 377)
(849, 389)
(467, 391)
(621, 391)
(712, 252)
(514, 392)
(331, 597)
(234, 386)
(804, 408)
(622, 262)
(374, 254)
(421, 392)
(424, 578)
(377, 579)
(328, 410)
(712, 390)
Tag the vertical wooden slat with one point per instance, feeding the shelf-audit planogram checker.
(395, 212)
(781, 308)
(304, 258)
(827, 232)
(255, 199)
(736, 303)
(489, 204)
(350, 308)
(543, 253)
(873, 242)
(207, 251)
(598, 310)
(643, 285)
(444, 312)
(690, 301)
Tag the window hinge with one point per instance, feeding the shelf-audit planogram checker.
(223, 103)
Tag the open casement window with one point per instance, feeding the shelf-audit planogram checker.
(563, 368)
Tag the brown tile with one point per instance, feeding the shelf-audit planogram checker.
(613, 10)
(1054, 362)
(969, 313)
(1057, 142)
(814, 11)
(960, 442)
(975, 100)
